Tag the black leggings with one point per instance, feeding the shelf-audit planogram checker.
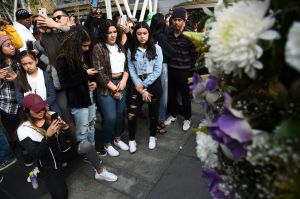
(55, 179)
(135, 104)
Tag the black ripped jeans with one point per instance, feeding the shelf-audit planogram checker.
(135, 104)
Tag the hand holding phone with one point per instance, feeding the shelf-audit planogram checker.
(54, 116)
(42, 11)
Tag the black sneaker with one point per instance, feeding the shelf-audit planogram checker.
(102, 153)
(1, 178)
(7, 163)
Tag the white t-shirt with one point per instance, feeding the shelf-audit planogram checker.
(37, 84)
(117, 59)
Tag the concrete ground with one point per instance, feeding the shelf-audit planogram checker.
(172, 170)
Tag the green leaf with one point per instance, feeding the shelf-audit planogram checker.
(288, 129)
(208, 12)
(196, 38)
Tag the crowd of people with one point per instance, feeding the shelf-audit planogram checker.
(56, 74)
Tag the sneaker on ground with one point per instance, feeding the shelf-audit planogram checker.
(121, 145)
(7, 163)
(112, 151)
(152, 142)
(102, 153)
(170, 119)
(106, 175)
(186, 125)
(132, 146)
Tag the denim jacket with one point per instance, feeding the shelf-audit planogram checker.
(144, 66)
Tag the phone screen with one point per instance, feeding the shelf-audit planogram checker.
(123, 20)
(95, 3)
(54, 116)
(8, 69)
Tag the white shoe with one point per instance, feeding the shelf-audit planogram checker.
(170, 119)
(112, 151)
(186, 125)
(152, 142)
(132, 146)
(106, 175)
(121, 145)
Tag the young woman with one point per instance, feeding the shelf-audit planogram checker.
(75, 75)
(158, 31)
(32, 79)
(145, 65)
(42, 138)
(110, 60)
(9, 107)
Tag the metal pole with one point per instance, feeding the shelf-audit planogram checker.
(119, 7)
(108, 9)
(155, 6)
(127, 8)
(143, 10)
(150, 5)
(135, 8)
(15, 8)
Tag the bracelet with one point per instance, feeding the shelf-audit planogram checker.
(143, 91)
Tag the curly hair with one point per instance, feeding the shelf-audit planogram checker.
(71, 47)
(103, 33)
(150, 44)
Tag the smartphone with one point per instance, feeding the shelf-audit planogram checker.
(42, 11)
(54, 116)
(123, 20)
(29, 45)
(95, 3)
(9, 69)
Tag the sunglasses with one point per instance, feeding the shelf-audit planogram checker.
(58, 17)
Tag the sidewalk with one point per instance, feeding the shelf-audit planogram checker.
(170, 171)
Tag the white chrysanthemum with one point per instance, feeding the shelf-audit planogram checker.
(233, 37)
(206, 150)
(292, 48)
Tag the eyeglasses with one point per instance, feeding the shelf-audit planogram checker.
(58, 17)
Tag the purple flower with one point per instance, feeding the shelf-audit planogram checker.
(231, 129)
(195, 80)
(212, 179)
(212, 83)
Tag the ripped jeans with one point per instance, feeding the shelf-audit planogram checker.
(85, 122)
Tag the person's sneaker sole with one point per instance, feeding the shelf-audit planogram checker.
(102, 154)
(8, 165)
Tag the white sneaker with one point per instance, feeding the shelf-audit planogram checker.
(152, 142)
(112, 151)
(132, 146)
(186, 125)
(121, 145)
(106, 175)
(170, 119)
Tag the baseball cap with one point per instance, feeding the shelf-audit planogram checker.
(34, 102)
(3, 38)
(22, 13)
(179, 13)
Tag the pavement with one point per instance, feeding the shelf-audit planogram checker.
(172, 170)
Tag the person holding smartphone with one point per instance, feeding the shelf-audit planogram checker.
(110, 59)
(145, 60)
(9, 107)
(42, 138)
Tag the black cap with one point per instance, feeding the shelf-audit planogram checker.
(22, 13)
(179, 13)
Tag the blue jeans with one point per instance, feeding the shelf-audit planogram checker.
(113, 114)
(164, 94)
(85, 122)
(5, 152)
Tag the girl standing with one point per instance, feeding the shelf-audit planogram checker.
(110, 60)
(32, 79)
(75, 75)
(145, 65)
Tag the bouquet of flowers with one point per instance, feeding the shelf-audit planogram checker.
(249, 140)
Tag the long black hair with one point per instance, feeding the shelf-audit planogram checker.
(150, 45)
(103, 33)
(157, 24)
(22, 81)
(14, 63)
(71, 47)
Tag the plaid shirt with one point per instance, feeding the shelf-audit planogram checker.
(8, 100)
